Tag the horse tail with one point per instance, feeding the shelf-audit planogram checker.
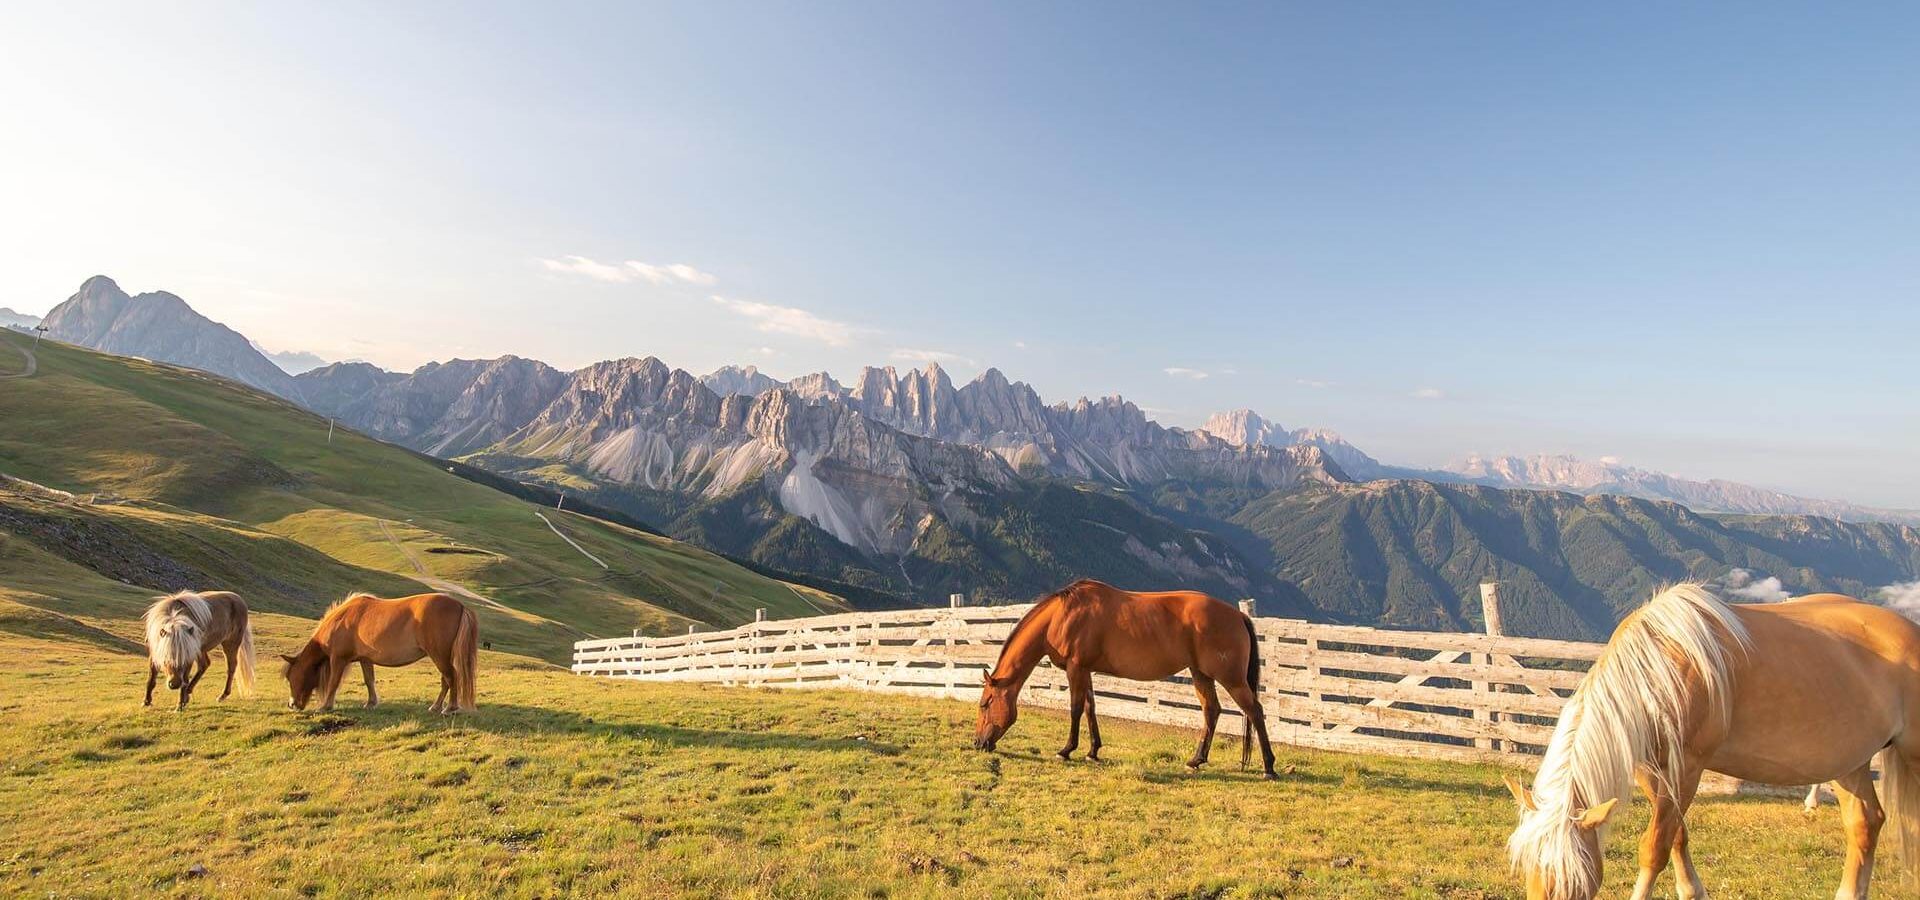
(1253, 683)
(466, 659)
(1900, 796)
(243, 663)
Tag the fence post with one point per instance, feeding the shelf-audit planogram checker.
(1246, 607)
(1489, 613)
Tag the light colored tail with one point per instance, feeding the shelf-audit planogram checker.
(1900, 798)
(243, 665)
(466, 660)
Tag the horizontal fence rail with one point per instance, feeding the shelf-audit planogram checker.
(1469, 697)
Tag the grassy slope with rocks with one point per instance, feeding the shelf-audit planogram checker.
(202, 482)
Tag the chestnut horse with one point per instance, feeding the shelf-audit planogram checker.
(375, 632)
(1805, 691)
(1092, 627)
(183, 629)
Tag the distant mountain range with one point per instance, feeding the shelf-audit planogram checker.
(1567, 473)
(1558, 473)
(905, 484)
(292, 362)
(11, 319)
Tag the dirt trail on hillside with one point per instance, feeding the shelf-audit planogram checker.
(456, 589)
(33, 362)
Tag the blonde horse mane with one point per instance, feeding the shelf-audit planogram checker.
(168, 646)
(1629, 714)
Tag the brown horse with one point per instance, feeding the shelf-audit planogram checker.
(182, 630)
(1092, 627)
(375, 632)
(1800, 692)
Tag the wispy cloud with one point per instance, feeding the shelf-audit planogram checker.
(1742, 583)
(1019, 345)
(1903, 598)
(629, 271)
(1427, 393)
(791, 320)
(1314, 383)
(765, 351)
(1184, 372)
(909, 354)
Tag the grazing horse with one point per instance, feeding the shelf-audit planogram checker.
(1805, 691)
(376, 632)
(1092, 627)
(183, 629)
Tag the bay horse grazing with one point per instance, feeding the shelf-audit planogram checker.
(1091, 627)
(183, 629)
(1804, 691)
(376, 632)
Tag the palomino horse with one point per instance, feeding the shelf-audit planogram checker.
(183, 629)
(1091, 627)
(1805, 691)
(375, 632)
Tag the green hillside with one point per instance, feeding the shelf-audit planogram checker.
(1017, 542)
(1410, 553)
(182, 479)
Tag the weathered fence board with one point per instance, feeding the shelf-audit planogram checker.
(1337, 687)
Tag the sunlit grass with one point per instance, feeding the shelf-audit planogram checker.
(564, 785)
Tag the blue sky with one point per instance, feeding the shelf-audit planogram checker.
(1682, 237)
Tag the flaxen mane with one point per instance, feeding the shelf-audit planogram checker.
(176, 629)
(1629, 715)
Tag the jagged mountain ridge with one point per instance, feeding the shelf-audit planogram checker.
(922, 485)
(162, 327)
(1244, 426)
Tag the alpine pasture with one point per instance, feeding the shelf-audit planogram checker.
(147, 478)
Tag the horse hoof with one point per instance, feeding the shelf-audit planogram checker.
(1269, 776)
(370, 704)
(1065, 755)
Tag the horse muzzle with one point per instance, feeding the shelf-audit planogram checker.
(173, 684)
(987, 741)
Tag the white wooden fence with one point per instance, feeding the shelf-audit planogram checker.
(1408, 693)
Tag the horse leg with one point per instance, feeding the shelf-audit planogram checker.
(1862, 816)
(153, 676)
(1210, 711)
(1077, 682)
(373, 696)
(445, 702)
(1093, 725)
(233, 662)
(186, 685)
(336, 670)
(1249, 703)
(1686, 878)
(1657, 844)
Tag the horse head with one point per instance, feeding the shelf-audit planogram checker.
(1557, 850)
(304, 674)
(999, 707)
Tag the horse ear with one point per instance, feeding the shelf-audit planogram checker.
(287, 659)
(1520, 793)
(1597, 816)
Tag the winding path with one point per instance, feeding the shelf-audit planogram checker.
(33, 363)
(458, 590)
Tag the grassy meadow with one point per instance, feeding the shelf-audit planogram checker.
(562, 785)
